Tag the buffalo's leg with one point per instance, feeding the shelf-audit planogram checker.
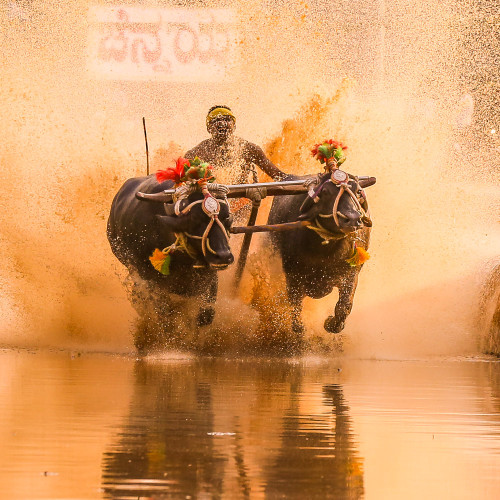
(295, 298)
(347, 288)
(205, 316)
(146, 332)
(206, 312)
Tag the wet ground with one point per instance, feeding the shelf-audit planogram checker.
(109, 426)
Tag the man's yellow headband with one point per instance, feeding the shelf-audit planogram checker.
(215, 113)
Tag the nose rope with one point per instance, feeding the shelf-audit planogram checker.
(345, 187)
(336, 205)
(205, 244)
(204, 238)
(322, 231)
(205, 241)
(214, 217)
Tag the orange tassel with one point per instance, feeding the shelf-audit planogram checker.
(160, 261)
(360, 257)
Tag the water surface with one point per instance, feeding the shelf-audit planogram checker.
(104, 426)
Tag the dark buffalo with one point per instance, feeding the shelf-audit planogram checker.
(314, 257)
(137, 227)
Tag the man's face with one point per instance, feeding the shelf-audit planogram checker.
(221, 128)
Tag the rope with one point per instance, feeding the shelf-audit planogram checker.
(181, 244)
(336, 204)
(183, 191)
(325, 233)
(345, 187)
(218, 190)
(182, 238)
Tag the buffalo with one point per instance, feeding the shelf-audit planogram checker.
(315, 258)
(195, 229)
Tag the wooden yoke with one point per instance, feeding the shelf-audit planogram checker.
(280, 188)
(235, 190)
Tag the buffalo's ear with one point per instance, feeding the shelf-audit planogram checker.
(176, 224)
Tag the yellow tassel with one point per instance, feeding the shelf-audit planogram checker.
(360, 257)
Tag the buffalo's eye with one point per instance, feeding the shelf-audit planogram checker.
(228, 220)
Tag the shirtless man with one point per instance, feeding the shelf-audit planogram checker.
(233, 158)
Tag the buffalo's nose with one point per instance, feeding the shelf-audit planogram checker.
(354, 219)
(350, 222)
(222, 260)
(225, 257)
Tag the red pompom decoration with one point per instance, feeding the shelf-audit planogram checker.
(174, 173)
(335, 144)
(187, 170)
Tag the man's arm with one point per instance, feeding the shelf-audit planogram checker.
(200, 151)
(191, 154)
(257, 156)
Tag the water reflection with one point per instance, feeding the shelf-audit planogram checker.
(317, 449)
(219, 429)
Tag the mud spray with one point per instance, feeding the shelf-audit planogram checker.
(406, 85)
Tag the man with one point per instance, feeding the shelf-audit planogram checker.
(233, 158)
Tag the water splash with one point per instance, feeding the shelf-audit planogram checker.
(386, 83)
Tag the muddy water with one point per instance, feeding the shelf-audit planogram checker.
(103, 426)
(368, 73)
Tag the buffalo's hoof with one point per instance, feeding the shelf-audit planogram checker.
(333, 325)
(205, 316)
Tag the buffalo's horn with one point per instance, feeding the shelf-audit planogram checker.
(340, 214)
(155, 197)
(365, 182)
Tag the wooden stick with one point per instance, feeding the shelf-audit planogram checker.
(147, 149)
(236, 191)
(286, 226)
(273, 188)
(245, 246)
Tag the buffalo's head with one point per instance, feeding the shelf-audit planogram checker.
(204, 222)
(337, 205)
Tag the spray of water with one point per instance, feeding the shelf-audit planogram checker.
(389, 84)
